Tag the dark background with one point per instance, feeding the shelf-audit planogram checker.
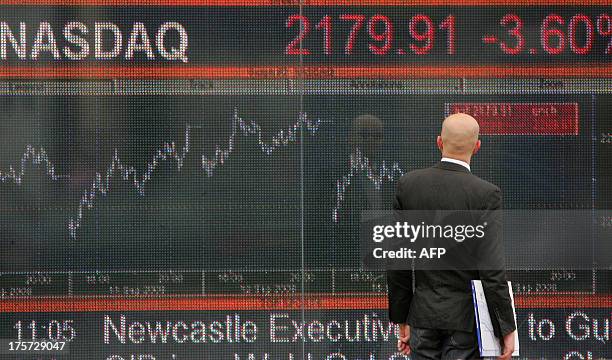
(267, 217)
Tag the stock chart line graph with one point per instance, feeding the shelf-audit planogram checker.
(149, 186)
(170, 152)
(214, 169)
(361, 164)
(36, 157)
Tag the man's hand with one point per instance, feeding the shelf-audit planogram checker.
(402, 344)
(507, 346)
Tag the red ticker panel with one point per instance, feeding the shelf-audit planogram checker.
(522, 118)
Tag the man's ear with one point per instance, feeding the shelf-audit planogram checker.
(476, 147)
(439, 142)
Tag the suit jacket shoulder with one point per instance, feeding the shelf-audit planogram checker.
(445, 186)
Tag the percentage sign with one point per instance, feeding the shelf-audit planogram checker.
(604, 28)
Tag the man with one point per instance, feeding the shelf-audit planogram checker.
(366, 140)
(437, 319)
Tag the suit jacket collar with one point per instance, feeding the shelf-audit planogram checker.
(445, 165)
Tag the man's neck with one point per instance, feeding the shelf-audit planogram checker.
(464, 158)
(456, 160)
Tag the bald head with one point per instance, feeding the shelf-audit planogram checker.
(459, 137)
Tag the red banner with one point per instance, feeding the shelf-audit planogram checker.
(522, 118)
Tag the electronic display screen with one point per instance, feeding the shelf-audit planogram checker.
(184, 179)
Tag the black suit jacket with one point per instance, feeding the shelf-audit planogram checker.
(442, 299)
